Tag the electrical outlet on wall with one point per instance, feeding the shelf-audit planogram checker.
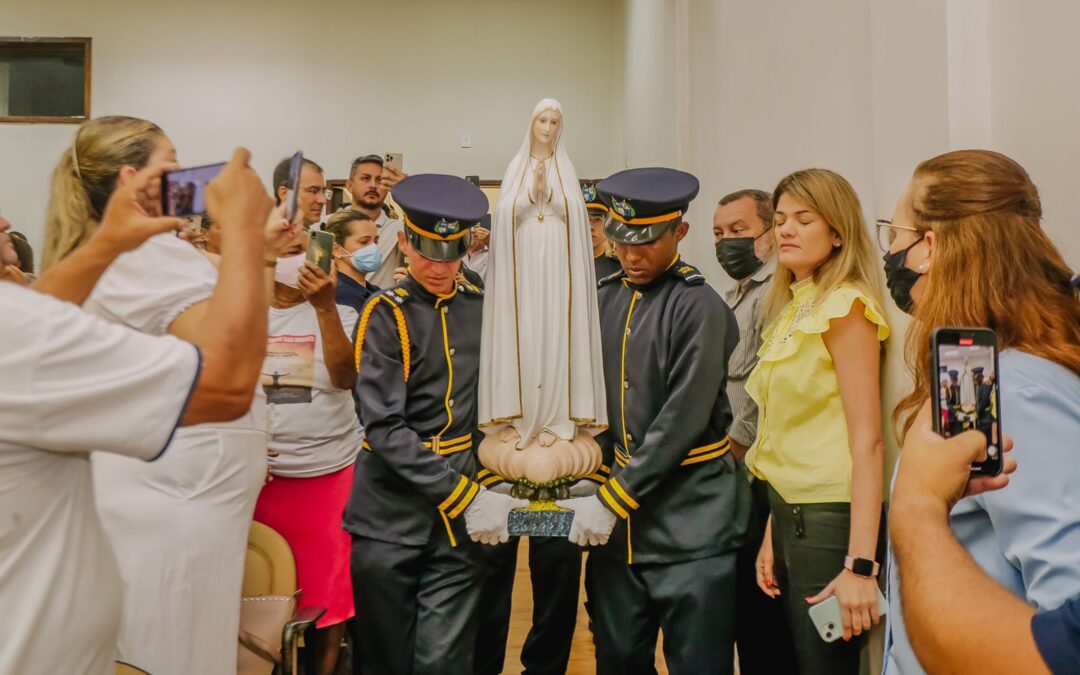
(466, 140)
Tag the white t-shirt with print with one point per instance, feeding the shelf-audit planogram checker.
(72, 383)
(313, 425)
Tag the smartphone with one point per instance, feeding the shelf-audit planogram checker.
(320, 249)
(292, 186)
(826, 617)
(475, 180)
(964, 389)
(183, 192)
(394, 159)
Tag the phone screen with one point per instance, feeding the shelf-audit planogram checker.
(183, 192)
(965, 388)
(296, 164)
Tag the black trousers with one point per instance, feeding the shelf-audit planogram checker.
(416, 606)
(810, 542)
(762, 634)
(555, 572)
(692, 601)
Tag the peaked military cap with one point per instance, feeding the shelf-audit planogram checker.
(593, 203)
(439, 212)
(645, 202)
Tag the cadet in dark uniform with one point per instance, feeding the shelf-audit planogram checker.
(677, 503)
(606, 264)
(983, 404)
(416, 574)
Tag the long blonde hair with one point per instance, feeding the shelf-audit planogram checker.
(993, 266)
(830, 196)
(85, 177)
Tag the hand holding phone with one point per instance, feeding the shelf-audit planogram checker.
(826, 617)
(964, 389)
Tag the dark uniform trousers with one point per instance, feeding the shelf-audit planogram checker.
(416, 606)
(555, 573)
(681, 499)
(416, 574)
(691, 602)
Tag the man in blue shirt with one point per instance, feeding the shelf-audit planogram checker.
(957, 617)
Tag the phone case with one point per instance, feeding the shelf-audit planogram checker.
(320, 249)
(826, 617)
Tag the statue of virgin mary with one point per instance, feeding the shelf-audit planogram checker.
(541, 376)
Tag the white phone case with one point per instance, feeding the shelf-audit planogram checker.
(826, 617)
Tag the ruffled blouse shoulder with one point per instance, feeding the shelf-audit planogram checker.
(806, 315)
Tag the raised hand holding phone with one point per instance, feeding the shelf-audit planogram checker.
(964, 388)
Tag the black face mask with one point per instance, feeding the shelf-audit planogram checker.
(736, 255)
(900, 279)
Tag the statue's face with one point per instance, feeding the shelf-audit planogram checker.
(546, 127)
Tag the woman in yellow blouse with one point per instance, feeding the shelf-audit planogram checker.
(819, 443)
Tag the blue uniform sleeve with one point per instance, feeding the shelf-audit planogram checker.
(1057, 634)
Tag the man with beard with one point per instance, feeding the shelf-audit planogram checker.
(368, 196)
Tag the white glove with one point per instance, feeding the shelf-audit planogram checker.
(592, 524)
(502, 488)
(583, 488)
(486, 517)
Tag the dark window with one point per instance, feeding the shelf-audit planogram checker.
(44, 79)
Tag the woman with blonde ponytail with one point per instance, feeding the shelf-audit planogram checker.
(178, 525)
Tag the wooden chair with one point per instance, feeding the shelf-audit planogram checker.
(270, 570)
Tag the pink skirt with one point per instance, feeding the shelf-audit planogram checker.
(308, 512)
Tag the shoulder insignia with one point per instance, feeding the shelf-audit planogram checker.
(609, 278)
(471, 289)
(689, 274)
(397, 294)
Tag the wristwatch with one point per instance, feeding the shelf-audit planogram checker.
(861, 566)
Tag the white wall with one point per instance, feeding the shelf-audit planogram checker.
(337, 78)
(1035, 105)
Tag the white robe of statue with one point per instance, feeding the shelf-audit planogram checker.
(540, 365)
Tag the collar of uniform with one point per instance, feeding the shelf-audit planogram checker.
(426, 296)
(655, 282)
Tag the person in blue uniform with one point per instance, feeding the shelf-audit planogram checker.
(606, 264)
(416, 574)
(668, 521)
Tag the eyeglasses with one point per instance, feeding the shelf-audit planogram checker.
(886, 233)
(315, 189)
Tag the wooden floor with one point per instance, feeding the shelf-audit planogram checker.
(582, 656)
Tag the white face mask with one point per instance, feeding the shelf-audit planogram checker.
(288, 270)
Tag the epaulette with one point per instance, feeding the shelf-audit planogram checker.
(398, 294)
(689, 274)
(466, 287)
(611, 277)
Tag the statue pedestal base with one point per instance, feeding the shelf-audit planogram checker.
(540, 519)
(538, 463)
